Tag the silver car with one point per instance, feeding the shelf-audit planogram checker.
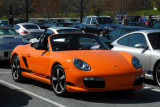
(9, 39)
(145, 45)
(57, 30)
(28, 30)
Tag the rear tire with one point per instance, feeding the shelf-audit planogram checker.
(157, 74)
(58, 81)
(16, 69)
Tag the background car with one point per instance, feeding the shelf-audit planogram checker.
(156, 25)
(99, 25)
(4, 21)
(57, 30)
(5, 25)
(120, 31)
(55, 20)
(145, 45)
(134, 21)
(62, 24)
(28, 30)
(74, 20)
(9, 39)
(76, 63)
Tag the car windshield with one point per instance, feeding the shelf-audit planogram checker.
(7, 32)
(134, 18)
(5, 24)
(64, 25)
(154, 39)
(106, 21)
(156, 25)
(66, 42)
(69, 31)
(30, 26)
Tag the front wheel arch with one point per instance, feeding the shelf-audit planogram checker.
(155, 73)
(155, 65)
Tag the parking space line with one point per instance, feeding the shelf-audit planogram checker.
(5, 72)
(31, 93)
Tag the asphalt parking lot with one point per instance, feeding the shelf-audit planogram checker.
(31, 93)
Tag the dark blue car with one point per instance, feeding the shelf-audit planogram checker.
(99, 25)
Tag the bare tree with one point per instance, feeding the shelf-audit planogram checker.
(122, 6)
(27, 7)
(96, 6)
(156, 3)
(48, 8)
(80, 5)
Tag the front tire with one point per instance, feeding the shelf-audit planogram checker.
(157, 75)
(15, 69)
(58, 80)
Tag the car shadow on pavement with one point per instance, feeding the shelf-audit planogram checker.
(141, 96)
(5, 64)
(13, 97)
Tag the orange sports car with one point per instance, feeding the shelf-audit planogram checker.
(76, 63)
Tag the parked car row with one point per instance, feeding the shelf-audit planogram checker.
(74, 60)
(9, 39)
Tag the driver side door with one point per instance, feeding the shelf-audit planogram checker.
(38, 61)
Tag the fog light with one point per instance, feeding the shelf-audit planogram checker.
(138, 80)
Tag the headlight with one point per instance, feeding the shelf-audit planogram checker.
(136, 63)
(81, 65)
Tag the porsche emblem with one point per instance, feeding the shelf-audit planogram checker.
(114, 66)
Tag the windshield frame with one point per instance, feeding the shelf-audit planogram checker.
(102, 46)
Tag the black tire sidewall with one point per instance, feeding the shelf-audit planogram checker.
(155, 75)
(20, 76)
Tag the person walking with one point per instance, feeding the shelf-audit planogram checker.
(150, 21)
(10, 20)
(125, 21)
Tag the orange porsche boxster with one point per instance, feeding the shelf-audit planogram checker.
(76, 63)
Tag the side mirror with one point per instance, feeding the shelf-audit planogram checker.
(110, 45)
(141, 46)
(47, 34)
(41, 47)
(94, 23)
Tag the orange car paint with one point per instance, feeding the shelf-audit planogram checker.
(115, 67)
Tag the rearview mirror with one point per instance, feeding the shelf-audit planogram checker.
(141, 46)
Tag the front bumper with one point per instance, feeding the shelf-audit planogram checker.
(5, 54)
(79, 83)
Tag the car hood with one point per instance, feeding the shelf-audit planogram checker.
(111, 25)
(100, 58)
(8, 42)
